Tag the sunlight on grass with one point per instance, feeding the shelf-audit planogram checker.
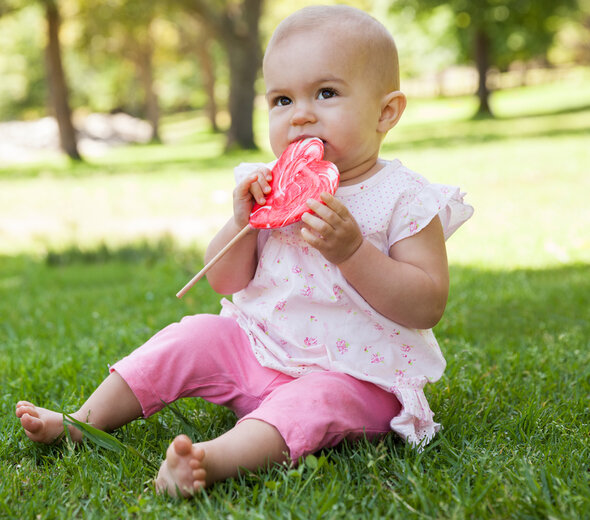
(525, 173)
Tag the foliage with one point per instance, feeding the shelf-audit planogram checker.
(518, 30)
(95, 38)
(574, 38)
(496, 33)
(107, 441)
(23, 89)
(425, 46)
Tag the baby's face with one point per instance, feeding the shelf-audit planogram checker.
(317, 86)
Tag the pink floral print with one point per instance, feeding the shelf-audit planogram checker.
(342, 346)
(337, 291)
(377, 358)
(307, 291)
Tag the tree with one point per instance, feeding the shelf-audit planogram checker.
(574, 36)
(58, 89)
(497, 32)
(203, 51)
(140, 49)
(23, 83)
(56, 79)
(235, 26)
(7, 7)
(197, 40)
(125, 29)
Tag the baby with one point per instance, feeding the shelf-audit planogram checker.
(328, 333)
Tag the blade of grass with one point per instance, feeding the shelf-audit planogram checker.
(187, 426)
(106, 441)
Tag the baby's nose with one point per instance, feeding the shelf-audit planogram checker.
(302, 115)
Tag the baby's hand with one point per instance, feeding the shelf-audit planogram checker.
(252, 189)
(332, 230)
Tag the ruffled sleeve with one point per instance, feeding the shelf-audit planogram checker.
(421, 203)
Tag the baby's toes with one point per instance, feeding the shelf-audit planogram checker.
(199, 475)
(23, 407)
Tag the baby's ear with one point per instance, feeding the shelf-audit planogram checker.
(392, 108)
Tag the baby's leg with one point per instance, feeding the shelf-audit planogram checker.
(320, 409)
(250, 445)
(112, 405)
(177, 349)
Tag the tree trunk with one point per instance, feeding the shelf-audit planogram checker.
(243, 66)
(235, 25)
(482, 61)
(243, 51)
(58, 89)
(146, 74)
(203, 52)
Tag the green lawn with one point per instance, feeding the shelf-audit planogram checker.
(84, 289)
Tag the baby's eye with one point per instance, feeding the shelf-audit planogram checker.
(327, 93)
(281, 101)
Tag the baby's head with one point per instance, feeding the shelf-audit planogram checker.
(332, 72)
(364, 41)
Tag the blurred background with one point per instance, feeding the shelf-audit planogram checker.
(123, 119)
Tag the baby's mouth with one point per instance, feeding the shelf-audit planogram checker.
(302, 137)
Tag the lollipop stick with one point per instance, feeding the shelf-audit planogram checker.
(212, 262)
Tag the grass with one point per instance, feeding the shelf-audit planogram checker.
(513, 401)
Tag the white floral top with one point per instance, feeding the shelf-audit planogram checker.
(301, 315)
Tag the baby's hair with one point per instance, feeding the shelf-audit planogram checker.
(373, 41)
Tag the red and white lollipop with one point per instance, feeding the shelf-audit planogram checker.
(300, 174)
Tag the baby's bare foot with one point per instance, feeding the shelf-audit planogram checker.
(183, 472)
(42, 425)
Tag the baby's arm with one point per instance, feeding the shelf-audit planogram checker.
(410, 286)
(237, 267)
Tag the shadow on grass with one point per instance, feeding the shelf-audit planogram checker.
(547, 113)
(487, 116)
(142, 251)
(484, 305)
(523, 319)
(464, 134)
(149, 159)
(513, 305)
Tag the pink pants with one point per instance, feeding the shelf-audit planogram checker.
(209, 356)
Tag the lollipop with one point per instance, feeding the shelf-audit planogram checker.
(300, 174)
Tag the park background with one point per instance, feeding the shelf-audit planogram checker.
(120, 125)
